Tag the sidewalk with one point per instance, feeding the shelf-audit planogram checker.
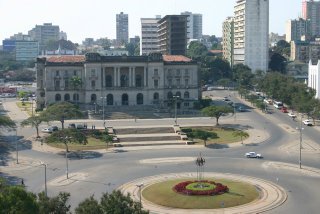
(14, 112)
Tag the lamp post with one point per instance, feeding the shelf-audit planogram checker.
(45, 178)
(140, 186)
(32, 106)
(104, 122)
(65, 139)
(17, 151)
(300, 146)
(175, 108)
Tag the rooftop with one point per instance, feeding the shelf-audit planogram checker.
(77, 58)
(175, 58)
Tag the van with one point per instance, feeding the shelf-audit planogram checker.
(277, 104)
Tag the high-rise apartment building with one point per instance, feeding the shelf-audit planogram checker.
(295, 29)
(311, 10)
(251, 33)
(44, 33)
(26, 50)
(194, 24)
(122, 28)
(172, 34)
(149, 35)
(227, 39)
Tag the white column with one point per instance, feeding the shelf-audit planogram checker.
(145, 76)
(134, 76)
(119, 76)
(115, 77)
(130, 76)
(103, 70)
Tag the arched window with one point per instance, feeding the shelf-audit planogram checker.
(125, 99)
(186, 95)
(156, 96)
(109, 81)
(75, 97)
(110, 100)
(170, 95)
(178, 94)
(58, 97)
(93, 97)
(67, 97)
(124, 80)
(139, 99)
(138, 80)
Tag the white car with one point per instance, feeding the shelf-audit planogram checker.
(253, 155)
(292, 115)
(307, 122)
(47, 130)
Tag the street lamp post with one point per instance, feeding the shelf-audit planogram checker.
(32, 106)
(45, 178)
(17, 151)
(104, 122)
(300, 146)
(175, 108)
(65, 139)
(140, 186)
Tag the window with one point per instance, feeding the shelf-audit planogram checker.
(169, 95)
(124, 80)
(125, 99)
(109, 99)
(93, 97)
(93, 72)
(108, 81)
(93, 83)
(139, 99)
(186, 95)
(57, 84)
(178, 72)
(186, 82)
(178, 82)
(155, 72)
(75, 97)
(57, 73)
(186, 72)
(74, 73)
(170, 82)
(156, 96)
(138, 80)
(58, 97)
(156, 83)
(67, 97)
(186, 104)
(178, 94)
(66, 83)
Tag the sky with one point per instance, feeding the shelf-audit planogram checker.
(97, 18)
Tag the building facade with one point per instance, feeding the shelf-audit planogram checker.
(297, 28)
(149, 35)
(314, 76)
(172, 35)
(227, 39)
(251, 34)
(304, 51)
(194, 25)
(311, 11)
(26, 50)
(44, 33)
(122, 28)
(151, 80)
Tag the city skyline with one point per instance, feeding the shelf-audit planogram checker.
(98, 20)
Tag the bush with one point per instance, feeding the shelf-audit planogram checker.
(186, 130)
(218, 190)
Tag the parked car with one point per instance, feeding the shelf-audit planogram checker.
(54, 128)
(47, 130)
(24, 99)
(292, 115)
(72, 126)
(284, 110)
(253, 155)
(226, 99)
(268, 101)
(307, 122)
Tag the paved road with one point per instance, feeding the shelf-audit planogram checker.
(106, 171)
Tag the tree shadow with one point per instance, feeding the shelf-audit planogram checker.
(217, 146)
(235, 194)
(10, 180)
(235, 126)
(78, 155)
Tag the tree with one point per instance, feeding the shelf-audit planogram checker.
(243, 75)
(107, 138)
(315, 113)
(61, 111)
(6, 122)
(34, 121)
(216, 112)
(76, 82)
(15, 199)
(89, 205)
(54, 205)
(277, 63)
(224, 82)
(204, 135)
(117, 203)
(196, 50)
(241, 134)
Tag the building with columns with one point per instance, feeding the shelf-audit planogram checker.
(154, 80)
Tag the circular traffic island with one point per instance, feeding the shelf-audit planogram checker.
(208, 194)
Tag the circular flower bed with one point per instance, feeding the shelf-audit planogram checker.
(200, 188)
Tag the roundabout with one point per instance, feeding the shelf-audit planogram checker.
(268, 197)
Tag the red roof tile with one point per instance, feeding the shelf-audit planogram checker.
(78, 58)
(175, 58)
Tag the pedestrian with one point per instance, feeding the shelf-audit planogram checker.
(22, 182)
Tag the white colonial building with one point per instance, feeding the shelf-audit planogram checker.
(153, 80)
(314, 77)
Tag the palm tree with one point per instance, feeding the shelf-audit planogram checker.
(241, 134)
(34, 121)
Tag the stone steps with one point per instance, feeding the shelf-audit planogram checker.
(149, 139)
(150, 143)
(144, 130)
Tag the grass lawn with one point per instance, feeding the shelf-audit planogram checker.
(93, 143)
(225, 136)
(26, 107)
(162, 194)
